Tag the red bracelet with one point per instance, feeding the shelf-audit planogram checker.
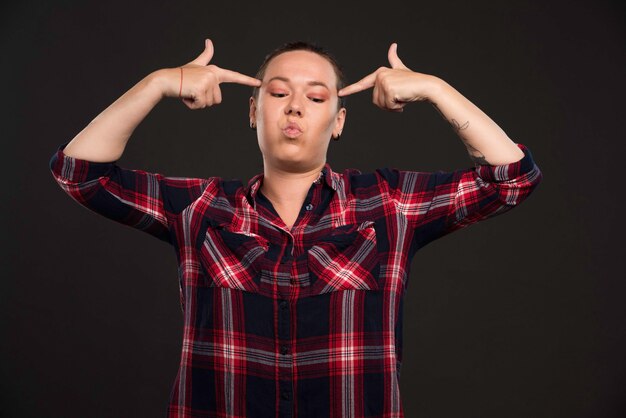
(181, 83)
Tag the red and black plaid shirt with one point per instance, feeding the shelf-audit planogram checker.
(304, 322)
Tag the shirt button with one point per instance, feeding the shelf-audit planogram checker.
(284, 349)
(309, 207)
(286, 395)
(283, 303)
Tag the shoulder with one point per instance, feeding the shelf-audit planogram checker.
(389, 177)
(363, 182)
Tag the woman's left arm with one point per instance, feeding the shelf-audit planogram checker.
(394, 87)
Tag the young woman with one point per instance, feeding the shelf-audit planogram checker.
(292, 285)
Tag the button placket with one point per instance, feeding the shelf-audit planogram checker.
(285, 385)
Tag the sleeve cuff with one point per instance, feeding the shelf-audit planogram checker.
(506, 172)
(75, 170)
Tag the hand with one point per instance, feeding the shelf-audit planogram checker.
(393, 87)
(201, 80)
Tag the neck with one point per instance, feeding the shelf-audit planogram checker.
(285, 188)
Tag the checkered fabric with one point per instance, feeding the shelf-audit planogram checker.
(300, 322)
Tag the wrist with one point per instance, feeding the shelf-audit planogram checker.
(435, 88)
(166, 81)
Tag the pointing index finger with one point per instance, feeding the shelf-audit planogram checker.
(363, 84)
(229, 76)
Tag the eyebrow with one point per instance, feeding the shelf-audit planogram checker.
(310, 83)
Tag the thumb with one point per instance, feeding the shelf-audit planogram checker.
(205, 57)
(394, 60)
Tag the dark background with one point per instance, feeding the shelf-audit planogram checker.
(521, 315)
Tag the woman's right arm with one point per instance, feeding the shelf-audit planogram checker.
(86, 167)
(104, 138)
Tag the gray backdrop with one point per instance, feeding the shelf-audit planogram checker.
(518, 316)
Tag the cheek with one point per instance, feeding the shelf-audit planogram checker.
(268, 112)
(330, 120)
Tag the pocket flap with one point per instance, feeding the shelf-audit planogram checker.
(347, 258)
(232, 258)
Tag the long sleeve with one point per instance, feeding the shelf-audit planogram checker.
(141, 200)
(441, 202)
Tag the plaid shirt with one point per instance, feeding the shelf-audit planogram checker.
(300, 322)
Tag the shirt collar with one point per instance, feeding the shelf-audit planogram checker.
(328, 178)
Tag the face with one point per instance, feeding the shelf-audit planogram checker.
(296, 111)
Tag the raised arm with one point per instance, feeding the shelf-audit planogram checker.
(394, 87)
(438, 203)
(86, 169)
(196, 83)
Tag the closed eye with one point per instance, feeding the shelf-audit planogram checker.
(313, 99)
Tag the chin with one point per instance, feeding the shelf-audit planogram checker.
(289, 162)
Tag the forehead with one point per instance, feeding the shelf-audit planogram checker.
(301, 66)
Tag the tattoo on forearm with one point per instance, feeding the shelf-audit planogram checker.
(457, 126)
(453, 122)
(479, 159)
(476, 155)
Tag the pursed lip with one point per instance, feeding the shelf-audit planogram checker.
(292, 129)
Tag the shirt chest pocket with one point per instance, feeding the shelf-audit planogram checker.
(232, 258)
(346, 258)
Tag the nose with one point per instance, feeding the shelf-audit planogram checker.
(294, 107)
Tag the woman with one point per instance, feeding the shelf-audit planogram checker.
(292, 286)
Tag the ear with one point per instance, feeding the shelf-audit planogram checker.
(252, 110)
(340, 119)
